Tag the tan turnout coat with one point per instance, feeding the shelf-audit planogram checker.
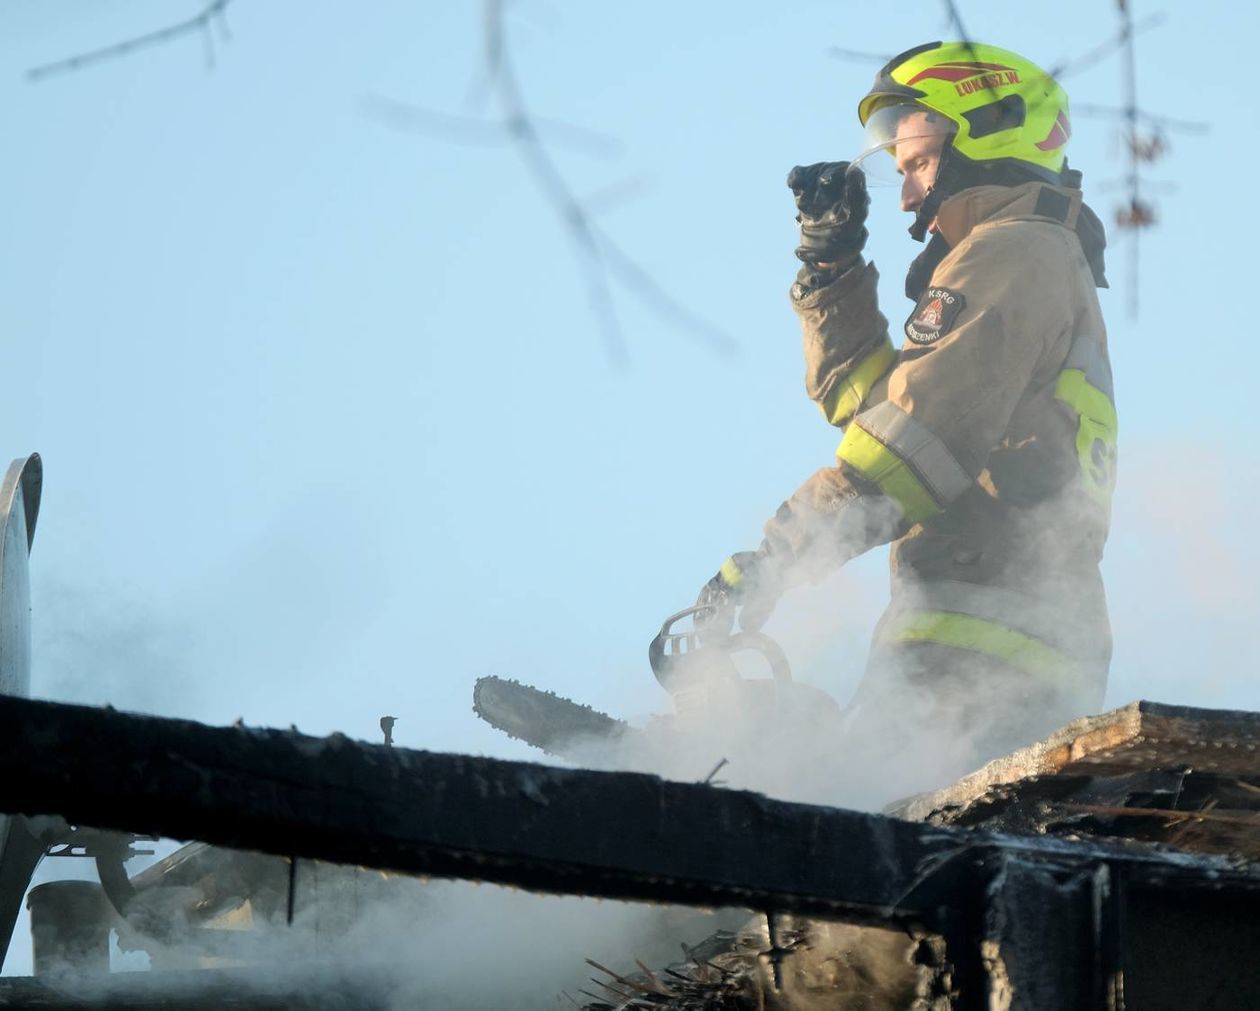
(984, 448)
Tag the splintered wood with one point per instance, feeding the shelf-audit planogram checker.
(1150, 773)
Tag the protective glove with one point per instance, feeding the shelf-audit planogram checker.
(751, 581)
(832, 202)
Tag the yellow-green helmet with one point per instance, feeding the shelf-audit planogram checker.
(1002, 106)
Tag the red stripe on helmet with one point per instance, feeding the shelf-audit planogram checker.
(956, 70)
(1058, 135)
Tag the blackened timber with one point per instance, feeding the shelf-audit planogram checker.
(616, 835)
(1043, 938)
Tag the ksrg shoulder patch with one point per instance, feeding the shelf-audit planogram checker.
(934, 314)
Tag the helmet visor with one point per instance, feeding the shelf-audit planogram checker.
(898, 133)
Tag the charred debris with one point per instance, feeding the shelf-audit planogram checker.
(1109, 866)
(1161, 780)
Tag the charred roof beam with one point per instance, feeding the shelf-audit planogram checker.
(615, 835)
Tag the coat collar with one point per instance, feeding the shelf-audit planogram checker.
(1032, 201)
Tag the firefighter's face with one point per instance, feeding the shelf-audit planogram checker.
(920, 140)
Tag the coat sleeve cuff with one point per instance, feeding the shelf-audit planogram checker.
(817, 289)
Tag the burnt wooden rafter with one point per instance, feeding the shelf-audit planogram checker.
(612, 834)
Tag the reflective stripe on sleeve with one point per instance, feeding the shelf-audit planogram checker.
(963, 631)
(731, 573)
(919, 446)
(882, 467)
(905, 459)
(847, 395)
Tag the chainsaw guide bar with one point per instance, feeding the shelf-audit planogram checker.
(542, 719)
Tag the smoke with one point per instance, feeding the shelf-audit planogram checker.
(1181, 576)
(363, 939)
(493, 947)
(98, 645)
(1180, 586)
(1181, 590)
(854, 730)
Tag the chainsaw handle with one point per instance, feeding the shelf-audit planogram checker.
(668, 648)
(759, 642)
(669, 645)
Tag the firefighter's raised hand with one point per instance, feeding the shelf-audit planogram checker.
(831, 201)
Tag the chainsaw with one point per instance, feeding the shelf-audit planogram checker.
(693, 656)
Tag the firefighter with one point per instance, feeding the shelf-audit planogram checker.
(984, 447)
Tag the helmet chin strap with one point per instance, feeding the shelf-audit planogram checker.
(926, 212)
(946, 184)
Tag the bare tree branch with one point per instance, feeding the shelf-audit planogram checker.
(1105, 49)
(524, 136)
(1139, 214)
(614, 194)
(1161, 122)
(598, 255)
(211, 14)
(857, 56)
(955, 20)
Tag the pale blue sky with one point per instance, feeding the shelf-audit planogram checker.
(328, 423)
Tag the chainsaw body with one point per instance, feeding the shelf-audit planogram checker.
(705, 667)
